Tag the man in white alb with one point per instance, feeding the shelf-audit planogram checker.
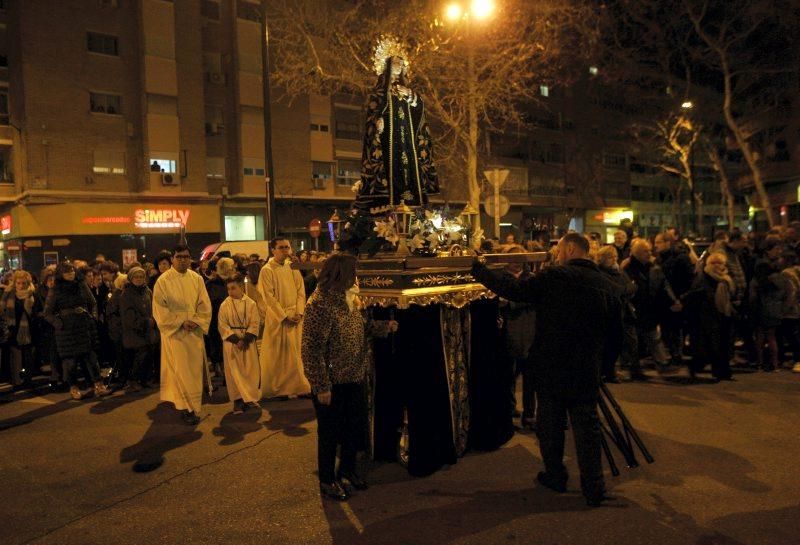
(285, 297)
(182, 310)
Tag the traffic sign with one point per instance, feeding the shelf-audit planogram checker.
(315, 228)
(489, 206)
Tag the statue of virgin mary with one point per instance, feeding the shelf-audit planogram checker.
(396, 163)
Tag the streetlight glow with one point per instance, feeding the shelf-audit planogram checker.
(454, 12)
(481, 9)
(687, 105)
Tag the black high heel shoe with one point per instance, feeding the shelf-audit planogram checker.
(351, 479)
(333, 491)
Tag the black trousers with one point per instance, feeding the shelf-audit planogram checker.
(523, 368)
(586, 431)
(90, 363)
(343, 422)
(138, 362)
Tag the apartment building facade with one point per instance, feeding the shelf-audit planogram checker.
(123, 121)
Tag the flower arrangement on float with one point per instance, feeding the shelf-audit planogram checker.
(422, 232)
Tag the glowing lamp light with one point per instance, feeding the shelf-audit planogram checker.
(687, 105)
(454, 12)
(335, 226)
(403, 216)
(481, 9)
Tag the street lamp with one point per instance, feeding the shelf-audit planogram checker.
(687, 107)
(456, 12)
(270, 224)
(478, 9)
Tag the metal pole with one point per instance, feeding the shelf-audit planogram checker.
(695, 222)
(497, 203)
(269, 212)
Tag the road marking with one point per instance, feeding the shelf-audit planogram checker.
(38, 400)
(348, 512)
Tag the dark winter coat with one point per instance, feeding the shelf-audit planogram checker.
(136, 312)
(678, 270)
(712, 341)
(519, 324)
(644, 301)
(768, 294)
(101, 294)
(217, 293)
(578, 326)
(45, 337)
(626, 289)
(14, 308)
(114, 317)
(71, 310)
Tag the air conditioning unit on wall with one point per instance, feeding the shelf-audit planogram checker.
(216, 78)
(168, 178)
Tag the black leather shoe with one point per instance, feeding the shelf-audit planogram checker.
(353, 480)
(597, 501)
(333, 491)
(190, 418)
(551, 482)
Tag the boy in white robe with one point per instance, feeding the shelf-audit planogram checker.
(182, 310)
(239, 322)
(285, 298)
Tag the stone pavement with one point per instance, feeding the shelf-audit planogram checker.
(125, 470)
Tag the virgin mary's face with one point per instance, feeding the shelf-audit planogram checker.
(397, 65)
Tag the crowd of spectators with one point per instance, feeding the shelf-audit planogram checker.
(94, 320)
(730, 302)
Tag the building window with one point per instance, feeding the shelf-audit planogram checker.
(212, 66)
(321, 172)
(108, 162)
(247, 11)
(348, 124)
(348, 171)
(615, 160)
(254, 171)
(159, 164)
(210, 9)
(102, 43)
(5, 118)
(101, 103)
(3, 61)
(215, 120)
(555, 154)
(241, 228)
(544, 90)
(317, 127)
(215, 167)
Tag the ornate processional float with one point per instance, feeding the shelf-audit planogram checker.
(438, 386)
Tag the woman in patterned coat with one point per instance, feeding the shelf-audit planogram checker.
(334, 352)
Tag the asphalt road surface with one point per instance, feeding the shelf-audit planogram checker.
(125, 470)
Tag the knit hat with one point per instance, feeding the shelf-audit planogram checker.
(136, 270)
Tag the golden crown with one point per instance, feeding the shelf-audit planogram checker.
(388, 46)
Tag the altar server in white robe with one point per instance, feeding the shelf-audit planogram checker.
(182, 310)
(285, 298)
(239, 322)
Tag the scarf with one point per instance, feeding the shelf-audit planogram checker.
(23, 336)
(722, 295)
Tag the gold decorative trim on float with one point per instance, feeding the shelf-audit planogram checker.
(442, 279)
(455, 296)
(375, 281)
